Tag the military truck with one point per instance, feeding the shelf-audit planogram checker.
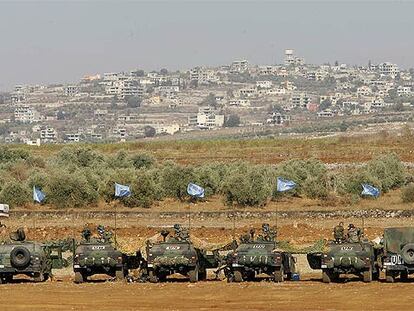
(174, 254)
(19, 256)
(359, 258)
(259, 255)
(398, 253)
(98, 256)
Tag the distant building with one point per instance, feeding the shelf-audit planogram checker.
(239, 66)
(25, 114)
(71, 90)
(48, 135)
(292, 59)
(72, 137)
(300, 100)
(388, 69)
(206, 118)
(278, 118)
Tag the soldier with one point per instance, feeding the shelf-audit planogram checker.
(268, 234)
(105, 236)
(86, 234)
(339, 233)
(180, 233)
(353, 235)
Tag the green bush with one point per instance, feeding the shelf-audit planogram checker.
(15, 193)
(208, 177)
(70, 190)
(248, 186)
(388, 169)
(407, 194)
(79, 156)
(142, 160)
(175, 178)
(350, 181)
(309, 175)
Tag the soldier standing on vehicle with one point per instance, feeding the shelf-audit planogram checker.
(339, 233)
(353, 235)
(180, 233)
(86, 234)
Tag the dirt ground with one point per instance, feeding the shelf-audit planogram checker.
(308, 294)
(177, 294)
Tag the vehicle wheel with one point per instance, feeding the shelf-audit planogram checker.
(152, 276)
(46, 276)
(279, 274)
(38, 277)
(2, 280)
(404, 276)
(20, 257)
(238, 276)
(8, 278)
(79, 277)
(202, 275)
(389, 277)
(193, 275)
(367, 275)
(326, 276)
(119, 275)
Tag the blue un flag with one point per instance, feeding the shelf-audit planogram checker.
(367, 189)
(122, 191)
(195, 190)
(285, 184)
(38, 195)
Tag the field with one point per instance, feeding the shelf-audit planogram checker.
(336, 149)
(301, 221)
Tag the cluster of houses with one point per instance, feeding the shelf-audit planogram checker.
(129, 105)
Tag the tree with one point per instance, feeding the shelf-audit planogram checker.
(233, 120)
(139, 73)
(60, 115)
(133, 102)
(149, 131)
(325, 104)
(210, 100)
(164, 71)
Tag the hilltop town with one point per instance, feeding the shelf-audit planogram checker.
(235, 98)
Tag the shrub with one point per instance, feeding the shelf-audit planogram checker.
(388, 169)
(15, 193)
(79, 156)
(142, 160)
(407, 194)
(175, 178)
(310, 176)
(350, 181)
(248, 186)
(70, 190)
(209, 178)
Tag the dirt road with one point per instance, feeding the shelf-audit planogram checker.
(308, 294)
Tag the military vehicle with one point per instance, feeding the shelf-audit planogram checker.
(259, 256)
(24, 257)
(346, 257)
(98, 256)
(398, 253)
(175, 254)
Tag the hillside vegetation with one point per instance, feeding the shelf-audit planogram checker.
(84, 175)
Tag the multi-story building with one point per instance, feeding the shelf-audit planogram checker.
(48, 135)
(292, 59)
(206, 118)
(388, 69)
(239, 66)
(25, 114)
(300, 99)
(71, 90)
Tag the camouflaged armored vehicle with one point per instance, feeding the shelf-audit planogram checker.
(259, 256)
(398, 253)
(23, 257)
(175, 254)
(98, 256)
(354, 255)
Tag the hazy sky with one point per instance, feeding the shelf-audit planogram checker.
(44, 42)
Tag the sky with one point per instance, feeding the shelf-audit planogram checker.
(60, 42)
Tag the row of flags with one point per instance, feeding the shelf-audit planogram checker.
(197, 191)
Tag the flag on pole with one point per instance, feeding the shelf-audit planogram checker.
(369, 190)
(285, 184)
(38, 195)
(195, 190)
(122, 191)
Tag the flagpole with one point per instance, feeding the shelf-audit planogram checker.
(116, 211)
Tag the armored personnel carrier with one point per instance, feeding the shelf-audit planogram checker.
(24, 257)
(398, 253)
(259, 256)
(175, 254)
(354, 255)
(97, 256)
